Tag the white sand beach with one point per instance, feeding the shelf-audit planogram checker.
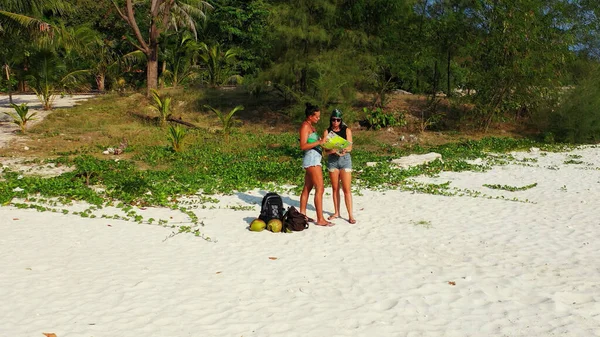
(413, 265)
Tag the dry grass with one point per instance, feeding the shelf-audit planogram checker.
(106, 120)
(97, 123)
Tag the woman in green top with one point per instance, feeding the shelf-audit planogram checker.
(310, 143)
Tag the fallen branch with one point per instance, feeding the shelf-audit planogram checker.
(156, 119)
(181, 121)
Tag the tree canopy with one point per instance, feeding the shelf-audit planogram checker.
(509, 55)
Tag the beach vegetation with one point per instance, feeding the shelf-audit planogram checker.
(219, 65)
(574, 117)
(226, 118)
(176, 137)
(510, 188)
(162, 105)
(376, 118)
(21, 115)
(422, 223)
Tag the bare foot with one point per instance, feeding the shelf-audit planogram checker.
(325, 224)
(352, 221)
(333, 216)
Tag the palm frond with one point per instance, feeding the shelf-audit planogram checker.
(135, 57)
(21, 19)
(234, 110)
(176, 136)
(77, 79)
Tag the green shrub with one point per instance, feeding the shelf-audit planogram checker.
(225, 118)
(377, 118)
(576, 118)
(176, 136)
(162, 105)
(21, 115)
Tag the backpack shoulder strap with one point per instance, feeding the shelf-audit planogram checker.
(285, 227)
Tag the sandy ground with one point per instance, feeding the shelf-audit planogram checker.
(8, 129)
(504, 263)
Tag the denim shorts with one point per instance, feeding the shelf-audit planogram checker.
(335, 162)
(311, 158)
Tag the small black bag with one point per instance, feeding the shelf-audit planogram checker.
(271, 207)
(293, 220)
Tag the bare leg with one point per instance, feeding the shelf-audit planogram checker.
(316, 177)
(346, 178)
(308, 185)
(335, 191)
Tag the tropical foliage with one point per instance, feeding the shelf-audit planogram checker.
(226, 118)
(162, 105)
(176, 137)
(21, 115)
(507, 59)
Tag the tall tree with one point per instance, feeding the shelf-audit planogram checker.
(241, 24)
(520, 54)
(301, 36)
(160, 16)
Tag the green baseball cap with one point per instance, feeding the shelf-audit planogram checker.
(336, 113)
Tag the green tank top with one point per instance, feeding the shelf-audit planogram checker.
(312, 138)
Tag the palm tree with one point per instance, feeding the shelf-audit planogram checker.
(218, 64)
(178, 59)
(19, 21)
(23, 15)
(164, 15)
(103, 60)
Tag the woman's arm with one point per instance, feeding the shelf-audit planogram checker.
(348, 138)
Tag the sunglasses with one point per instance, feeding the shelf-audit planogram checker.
(336, 119)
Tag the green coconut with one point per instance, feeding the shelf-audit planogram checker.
(257, 225)
(275, 225)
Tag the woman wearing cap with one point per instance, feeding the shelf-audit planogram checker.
(310, 143)
(339, 164)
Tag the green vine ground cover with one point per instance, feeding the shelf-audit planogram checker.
(185, 181)
(214, 167)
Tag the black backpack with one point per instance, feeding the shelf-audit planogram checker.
(295, 221)
(271, 207)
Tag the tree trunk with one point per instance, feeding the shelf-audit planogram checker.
(303, 71)
(7, 69)
(449, 92)
(435, 78)
(100, 79)
(161, 81)
(303, 84)
(152, 68)
(152, 54)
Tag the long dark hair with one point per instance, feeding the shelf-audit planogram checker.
(342, 126)
(310, 109)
